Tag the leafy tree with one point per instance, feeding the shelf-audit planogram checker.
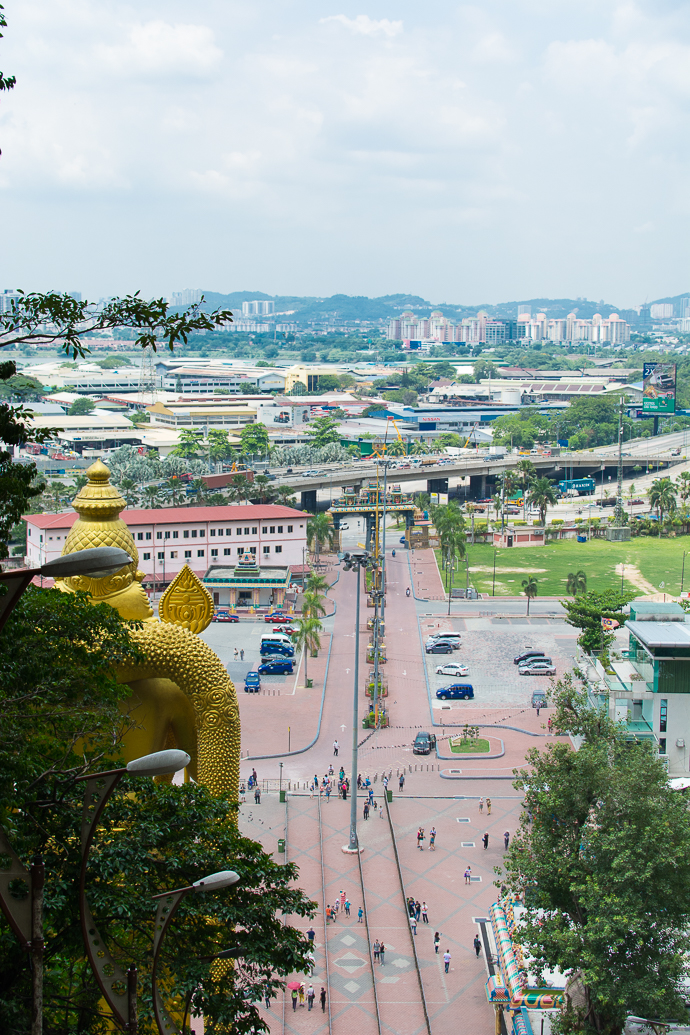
(605, 868)
(189, 446)
(484, 368)
(254, 440)
(61, 718)
(662, 495)
(576, 583)
(530, 588)
(542, 495)
(218, 445)
(21, 388)
(81, 406)
(323, 431)
(114, 362)
(449, 438)
(240, 487)
(585, 612)
(328, 383)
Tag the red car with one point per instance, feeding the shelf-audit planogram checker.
(223, 616)
(277, 618)
(288, 630)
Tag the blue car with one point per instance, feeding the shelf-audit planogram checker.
(275, 668)
(252, 683)
(458, 691)
(283, 650)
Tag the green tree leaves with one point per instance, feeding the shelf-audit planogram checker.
(323, 431)
(586, 611)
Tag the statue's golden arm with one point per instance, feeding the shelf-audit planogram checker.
(179, 655)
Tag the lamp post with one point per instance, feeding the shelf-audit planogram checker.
(167, 907)
(25, 915)
(97, 562)
(355, 561)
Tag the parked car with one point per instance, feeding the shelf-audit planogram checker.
(223, 616)
(440, 648)
(537, 668)
(277, 616)
(535, 661)
(344, 527)
(252, 683)
(454, 638)
(423, 743)
(527, 656)
(287, 630)
(452, 669)
(277, 666)
(458, 691)
(275, 647)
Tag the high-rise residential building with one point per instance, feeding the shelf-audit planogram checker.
(482, 329)
(6, 299)
(661, 311)
(187, 297)
(259, 307)
(524, 310)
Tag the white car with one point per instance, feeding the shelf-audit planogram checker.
(452, 669)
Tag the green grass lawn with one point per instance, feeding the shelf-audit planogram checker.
(469, 747)
(653, 560)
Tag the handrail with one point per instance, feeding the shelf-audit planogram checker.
(366, 924)
(402, 890)
(325, 919)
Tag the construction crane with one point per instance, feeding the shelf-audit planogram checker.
(472, 432)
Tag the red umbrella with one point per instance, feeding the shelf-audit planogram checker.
(294, 985)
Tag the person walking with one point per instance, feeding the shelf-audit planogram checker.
(342, 900)
(485, 841)
(417, 911)
(311, 996)
(359, 781)
(300, 992)
(385, 783)
(446, 960)
(366, 810)
(488, 806)
(328, 793)
(382, 953)
(255, 778)
(294, 999)
(257, 796)
(413, 924)
(477, 945)
(347, 907)
(335, 748)
(420, 839)
(538, 708)
(401, 782)
(468, 875)
(425, 913)
(328, 914)
(322, 996)
(360, 914)
(311, 935)
(481, 804)
(237, 654)
(241, 653)
(549, 724)
(377, 949)
(506, 839)
(437, 941)
(337, 907)
(432, 839)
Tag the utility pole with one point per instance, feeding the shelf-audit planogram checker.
(37, 944)
(619, 491)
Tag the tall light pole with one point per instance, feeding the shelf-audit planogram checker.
(355, 561)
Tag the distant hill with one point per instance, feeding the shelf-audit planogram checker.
(311, 310)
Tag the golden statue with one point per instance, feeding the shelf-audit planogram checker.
(182, 695)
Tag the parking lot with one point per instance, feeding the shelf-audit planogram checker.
(488, 648)
(246, 635)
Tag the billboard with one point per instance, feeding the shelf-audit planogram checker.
(659, 388)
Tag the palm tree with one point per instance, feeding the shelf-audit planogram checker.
(542, 495)
(683, 485)
(312, 605)
(285, 496)
(152, 497)
(240, 487)
(662, 495)
(530, 587)
(396, 448)
(264, 490)
(528, 473)
(418, 448)
(319, 531)
(306, 637)
(317, 583)
(173, 483)
(577, 583)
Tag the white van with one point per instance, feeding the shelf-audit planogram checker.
(275, 638)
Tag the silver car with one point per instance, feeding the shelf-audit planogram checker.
(537, 669)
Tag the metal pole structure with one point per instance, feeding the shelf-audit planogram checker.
(37, 944)
(682, 574)
(354, 844)
(619, 491)
(493, 584)
(383, 544)
(132, 1021)
(376, 658)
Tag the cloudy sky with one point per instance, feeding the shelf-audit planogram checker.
(468, 153)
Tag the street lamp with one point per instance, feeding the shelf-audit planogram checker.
(25, 915)
(167, 907)
(355, 561)
(97, 563)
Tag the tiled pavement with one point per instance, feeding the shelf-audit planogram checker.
(455, 1001)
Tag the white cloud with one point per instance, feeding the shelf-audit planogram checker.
(156, 47)
(364, 25)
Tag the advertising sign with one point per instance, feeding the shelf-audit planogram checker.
(659, 388)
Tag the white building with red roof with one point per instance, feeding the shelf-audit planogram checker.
(201, 537)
